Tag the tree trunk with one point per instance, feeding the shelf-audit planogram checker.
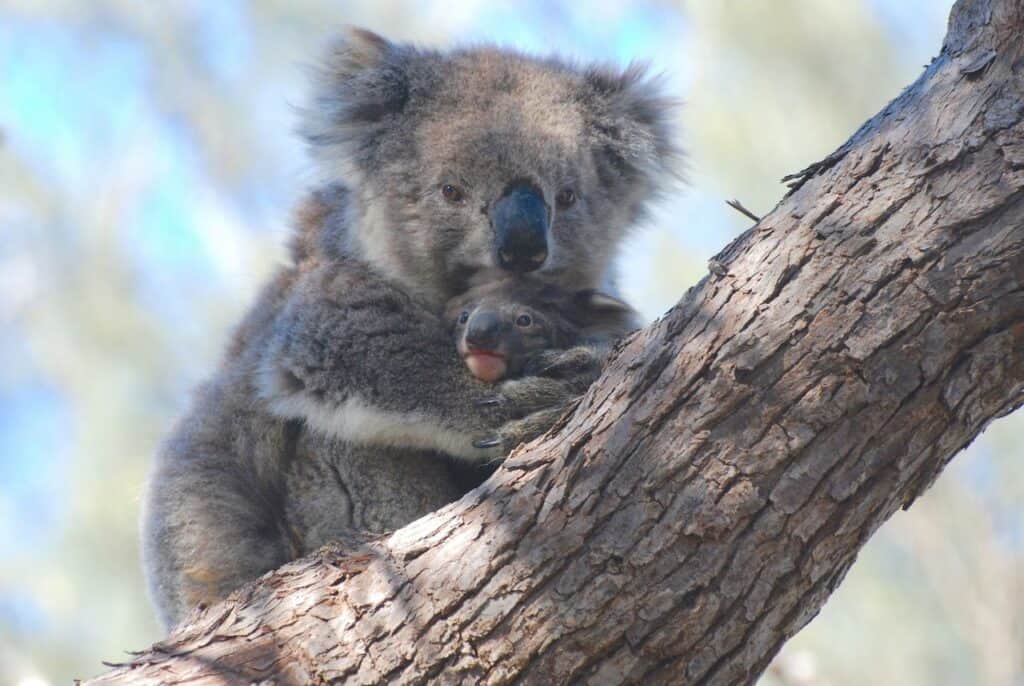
(714, 486)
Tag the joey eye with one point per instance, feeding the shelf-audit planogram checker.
(452, 194)
(464, 317)
(565, 199)
(524, 320)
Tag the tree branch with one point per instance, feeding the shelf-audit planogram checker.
(714, 486)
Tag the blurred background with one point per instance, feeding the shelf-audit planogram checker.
(147, 168)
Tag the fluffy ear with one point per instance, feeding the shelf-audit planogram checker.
(633, 125)
(605, 315)
(361, 83)
(596, 301)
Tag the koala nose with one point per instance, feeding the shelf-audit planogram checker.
(483, 331)
(520, 218)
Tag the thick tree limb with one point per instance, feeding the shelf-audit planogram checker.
(713, 488)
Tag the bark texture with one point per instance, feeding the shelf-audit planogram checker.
(713, 488)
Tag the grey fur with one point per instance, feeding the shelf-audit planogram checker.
(557, 342)
(341, 394)
(396, 123)
(558, 319)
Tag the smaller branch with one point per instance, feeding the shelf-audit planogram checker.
(738, 206)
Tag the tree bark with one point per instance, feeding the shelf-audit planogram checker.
(714, 486)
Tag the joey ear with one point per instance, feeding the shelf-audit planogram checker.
(597, 301)
(633, 123)
(361, 81)
(602, 315)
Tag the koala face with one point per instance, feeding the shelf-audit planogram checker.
(499, 326)
(469, 166)
(495, 337)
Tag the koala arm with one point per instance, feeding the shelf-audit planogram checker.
(356, 358)
(553, 380)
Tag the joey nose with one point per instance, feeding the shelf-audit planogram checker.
(520, 218)
(483, 332)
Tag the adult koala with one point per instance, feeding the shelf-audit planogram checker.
(341, 392)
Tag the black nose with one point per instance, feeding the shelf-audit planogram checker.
(520, 218)
(483, 331)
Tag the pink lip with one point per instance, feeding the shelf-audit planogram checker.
(484, 353)
(486, 365)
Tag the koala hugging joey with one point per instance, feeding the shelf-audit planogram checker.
(341, 397)
(517, 327)
(501, 327)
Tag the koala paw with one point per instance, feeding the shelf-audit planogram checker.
(535, 402)
(517, 398)
(519, 431)
(578, 367)
(530, 394)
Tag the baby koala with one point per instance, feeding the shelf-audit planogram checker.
(502, 326)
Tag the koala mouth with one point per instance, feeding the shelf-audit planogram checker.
(486, 365)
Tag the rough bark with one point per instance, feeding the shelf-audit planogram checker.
(713, 488)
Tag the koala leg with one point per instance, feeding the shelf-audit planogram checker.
(205, 532)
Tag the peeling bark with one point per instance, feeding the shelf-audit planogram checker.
(714, 486)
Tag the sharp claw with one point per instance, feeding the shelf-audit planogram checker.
(487, 443)
(489, 402)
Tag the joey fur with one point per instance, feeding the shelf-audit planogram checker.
(502, 328)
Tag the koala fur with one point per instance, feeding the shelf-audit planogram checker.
(396, 123)
(341, 396)
(502, 328)
(515, 327)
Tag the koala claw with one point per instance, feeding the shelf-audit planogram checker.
(485, 443)
(490, 402)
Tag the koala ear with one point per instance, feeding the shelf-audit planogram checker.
(604, 314)
(633, 126)
(597, 301)
(361, 82)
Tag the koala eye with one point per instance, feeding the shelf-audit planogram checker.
(565, 199)
(464, 317)
(524, 320)
(452, 193)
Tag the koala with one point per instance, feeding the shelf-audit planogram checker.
(340, 403)
(506, 328)
(499, 328)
